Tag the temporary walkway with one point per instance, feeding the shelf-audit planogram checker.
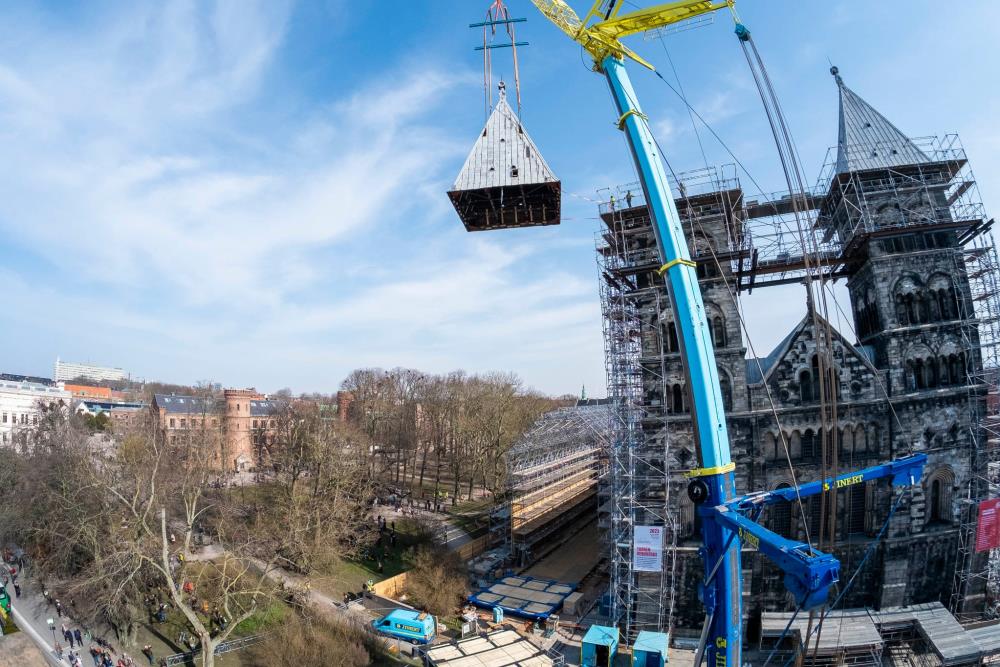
(859, 637)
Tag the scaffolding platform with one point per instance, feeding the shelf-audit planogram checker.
(927, 633)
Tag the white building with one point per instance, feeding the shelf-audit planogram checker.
(68, 370)
(20, 406)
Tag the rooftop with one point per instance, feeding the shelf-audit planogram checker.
(498, 649)
(867, 139)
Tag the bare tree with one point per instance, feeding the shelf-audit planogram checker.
(313, 509)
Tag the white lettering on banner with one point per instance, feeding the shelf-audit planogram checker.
(647, 552)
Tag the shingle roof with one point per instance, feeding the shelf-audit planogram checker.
(504, 155)
(265, 408)
(867, 139)
(185, 404)
(759, 367)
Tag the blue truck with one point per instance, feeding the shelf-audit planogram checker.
(415, 626)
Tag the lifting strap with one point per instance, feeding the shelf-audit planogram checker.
(674, 262)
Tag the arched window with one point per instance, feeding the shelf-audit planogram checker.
(872, 443)
(781, 515)
(769, 447)
(902, 316)
(938, 494)
(944, 372)
(677, 399)
(956, 365)
(810, 445)
(719, 330)
(726, 387)
(815, 378)
(672, 343)
(806, 387)
(918, 373)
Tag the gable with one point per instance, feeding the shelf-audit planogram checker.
(783, 368)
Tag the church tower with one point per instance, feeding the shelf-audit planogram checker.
(895, 208)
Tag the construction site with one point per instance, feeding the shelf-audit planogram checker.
(605, 497)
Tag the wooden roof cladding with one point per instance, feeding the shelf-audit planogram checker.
(505, 181)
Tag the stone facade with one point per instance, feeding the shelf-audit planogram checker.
(902, 381)
(244, 422)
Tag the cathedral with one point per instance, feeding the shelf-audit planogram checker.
(903, 368)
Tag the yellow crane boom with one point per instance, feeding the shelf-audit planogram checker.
(600, 34)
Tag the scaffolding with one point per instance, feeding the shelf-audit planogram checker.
(645, 477)
(553, 473)
(938, 201)
(935, 203)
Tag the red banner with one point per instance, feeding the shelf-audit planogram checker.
(988, 525)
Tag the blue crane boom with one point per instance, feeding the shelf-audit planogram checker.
(730, 521)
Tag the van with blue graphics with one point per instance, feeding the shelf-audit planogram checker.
(416, 626)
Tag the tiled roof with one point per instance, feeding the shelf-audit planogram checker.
(185, 404)
(265, 408)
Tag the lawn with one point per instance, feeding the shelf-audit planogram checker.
(349, 576)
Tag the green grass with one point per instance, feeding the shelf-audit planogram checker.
(268, 617)
(350, 575)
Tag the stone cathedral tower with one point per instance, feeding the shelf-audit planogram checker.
(899, 221)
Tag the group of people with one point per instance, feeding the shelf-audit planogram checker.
(9, 576)
(101, 652)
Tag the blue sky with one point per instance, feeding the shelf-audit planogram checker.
(253, 192)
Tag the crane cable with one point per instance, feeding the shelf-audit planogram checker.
(498, 13)
(825, 365)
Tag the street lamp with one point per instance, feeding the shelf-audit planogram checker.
(52, 627)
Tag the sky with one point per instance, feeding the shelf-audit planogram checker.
(253, 193)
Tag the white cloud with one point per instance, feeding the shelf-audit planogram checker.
(196, 242)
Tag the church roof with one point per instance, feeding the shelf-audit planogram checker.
(504, 155)
(867, 139)
(760, 368)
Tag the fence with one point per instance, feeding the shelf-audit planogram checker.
(393, 587)
(224, 647)
(473, 548)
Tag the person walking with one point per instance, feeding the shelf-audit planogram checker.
(59, 608)
(79, 637)
(147, 651)
(17, 590)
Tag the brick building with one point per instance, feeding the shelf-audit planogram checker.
(243, 419)
(897, 220)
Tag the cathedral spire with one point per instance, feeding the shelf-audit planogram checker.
(867, 139)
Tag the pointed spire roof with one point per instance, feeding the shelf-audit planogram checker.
(504, 154)
(867, 139)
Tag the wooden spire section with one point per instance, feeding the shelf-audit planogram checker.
(505, 181)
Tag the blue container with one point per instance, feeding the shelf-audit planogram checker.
(650, 649)
(599, 647)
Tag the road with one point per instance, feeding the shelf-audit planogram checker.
(30, 614)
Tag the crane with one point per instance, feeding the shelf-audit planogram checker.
(729, 521)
